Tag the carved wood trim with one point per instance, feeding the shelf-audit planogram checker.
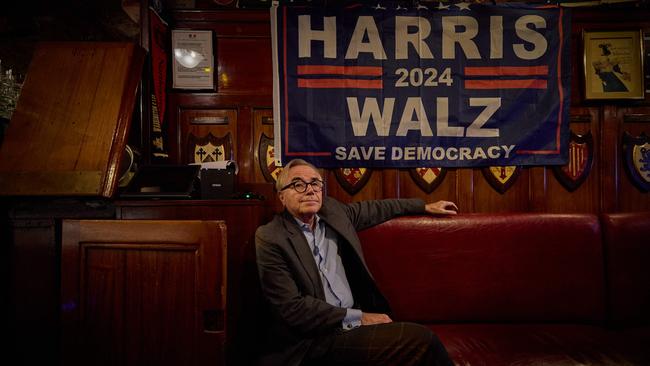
(580, 118)
(636, 118)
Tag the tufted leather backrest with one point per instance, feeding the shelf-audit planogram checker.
(627, 253)
(490, 267)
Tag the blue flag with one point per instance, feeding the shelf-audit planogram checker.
(444, 85)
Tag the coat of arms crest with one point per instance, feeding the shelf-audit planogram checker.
(501, 178)
(208, 148)
(266, 156)
(428, 178)
(352, 179)
(636, 151)
(581, 153)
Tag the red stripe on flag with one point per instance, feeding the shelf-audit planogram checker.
(340, 70)
(339, 83)
(308, 153)
(507, 70)
(505, 84)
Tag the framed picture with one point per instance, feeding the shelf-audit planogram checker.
(193, 60)
(613, 64)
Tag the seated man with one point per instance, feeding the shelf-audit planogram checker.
(325, 308)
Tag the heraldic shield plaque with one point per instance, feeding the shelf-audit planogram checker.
(266, 156)
(501, 178)
(581, 154)
(428, 178)
(208, 148)
(352, 179)
(637, 159)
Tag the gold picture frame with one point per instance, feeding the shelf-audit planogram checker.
(613, 64)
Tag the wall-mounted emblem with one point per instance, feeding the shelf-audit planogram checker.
(501, 178)
(428, 178)
(352, 179)
(208, 148)
(636, 152)
(266, 156)
(581, 154)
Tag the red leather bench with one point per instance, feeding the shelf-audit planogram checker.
(521, 289)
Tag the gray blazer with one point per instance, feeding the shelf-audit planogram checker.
(298, 313)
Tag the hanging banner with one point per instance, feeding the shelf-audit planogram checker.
(158, 46)
(444, 85)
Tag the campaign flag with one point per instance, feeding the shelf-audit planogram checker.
(443, 85)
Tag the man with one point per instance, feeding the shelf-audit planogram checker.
(325, 308)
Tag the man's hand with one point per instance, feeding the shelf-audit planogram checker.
(374, 318)
(441, 207)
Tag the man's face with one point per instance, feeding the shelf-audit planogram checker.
(302, 205)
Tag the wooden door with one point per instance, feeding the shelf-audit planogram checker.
(143, 292)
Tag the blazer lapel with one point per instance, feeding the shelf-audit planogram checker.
(300, 246)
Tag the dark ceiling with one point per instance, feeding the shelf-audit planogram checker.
(23, 24)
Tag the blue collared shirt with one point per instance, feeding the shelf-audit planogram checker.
(322, 243)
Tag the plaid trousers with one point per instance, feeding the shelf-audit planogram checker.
(390, 344)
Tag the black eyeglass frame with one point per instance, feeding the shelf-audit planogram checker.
(316, 185)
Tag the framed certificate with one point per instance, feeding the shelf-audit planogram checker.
(613, 64)
(193, 60)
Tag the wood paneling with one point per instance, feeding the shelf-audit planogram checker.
(244, 36)
(33, 248)
(487, 199)
(244, 75)
(69, 129)
(143, 292)
(242, 218)
(447, 190)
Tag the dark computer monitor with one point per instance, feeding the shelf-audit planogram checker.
(162, 181)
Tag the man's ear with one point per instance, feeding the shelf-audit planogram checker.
(281, 197)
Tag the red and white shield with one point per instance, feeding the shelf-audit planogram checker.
(581, 153)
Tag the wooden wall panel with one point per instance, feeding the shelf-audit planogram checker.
(242, 75)
(245, 144)
(447, 190)
(243, 296)
(372, 190)
(610, 159)
(487, 199)
(243, 82)
(135, 291)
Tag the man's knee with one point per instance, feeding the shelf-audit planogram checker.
(434, 352)
(418, 333)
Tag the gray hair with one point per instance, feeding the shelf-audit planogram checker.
(284, 174)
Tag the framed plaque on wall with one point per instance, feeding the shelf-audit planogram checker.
(193, 60)
(613, 64)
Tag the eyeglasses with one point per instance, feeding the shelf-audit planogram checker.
(300, 186)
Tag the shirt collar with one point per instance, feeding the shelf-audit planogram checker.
(304, 225)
